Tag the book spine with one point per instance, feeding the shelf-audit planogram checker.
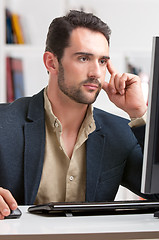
(9, 30)
(18, 79)
(9, 80)
(17, 28)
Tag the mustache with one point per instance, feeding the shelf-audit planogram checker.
(92, 80)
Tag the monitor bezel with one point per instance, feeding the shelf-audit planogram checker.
(150, 170)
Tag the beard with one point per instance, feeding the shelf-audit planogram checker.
(75, 92)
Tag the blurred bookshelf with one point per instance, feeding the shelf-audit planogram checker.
(30, 45)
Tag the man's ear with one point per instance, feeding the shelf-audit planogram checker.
(50, 61)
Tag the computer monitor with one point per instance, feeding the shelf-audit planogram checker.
(150, 171)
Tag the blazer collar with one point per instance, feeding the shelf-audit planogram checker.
(34, 131)
(36, 107)
(95, 146)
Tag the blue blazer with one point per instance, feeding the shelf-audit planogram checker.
(113, 155)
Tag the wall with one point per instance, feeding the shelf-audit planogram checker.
(35, 18)
(133, 24)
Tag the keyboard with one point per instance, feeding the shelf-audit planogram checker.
(95, 208)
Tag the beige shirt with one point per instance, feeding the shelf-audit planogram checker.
(63, 179)
(136, 122)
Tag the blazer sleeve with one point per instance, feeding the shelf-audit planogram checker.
(133, 169)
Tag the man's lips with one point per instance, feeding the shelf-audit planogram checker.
(91, 86)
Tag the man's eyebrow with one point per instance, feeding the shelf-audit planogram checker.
(83, 53)
(106, 57)
(90, 54)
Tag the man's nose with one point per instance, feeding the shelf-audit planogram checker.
(94, 70)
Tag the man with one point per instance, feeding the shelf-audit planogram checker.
(54, 146)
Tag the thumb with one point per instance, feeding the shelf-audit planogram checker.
(108, 89)
(105, 87)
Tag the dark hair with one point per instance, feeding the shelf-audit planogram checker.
(60, 30)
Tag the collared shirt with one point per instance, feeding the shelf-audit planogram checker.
(63, 179)
(137, 122)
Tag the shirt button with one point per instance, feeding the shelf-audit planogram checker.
(71, 178)
(56, 125)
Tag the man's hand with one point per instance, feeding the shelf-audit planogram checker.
(7, 202)
(125, 91)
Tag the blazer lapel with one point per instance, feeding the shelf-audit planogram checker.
(34, 131)
(95, 144)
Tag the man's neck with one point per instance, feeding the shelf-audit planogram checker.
(71, 116)
(70, 113)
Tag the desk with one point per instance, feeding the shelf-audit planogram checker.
(29, 226)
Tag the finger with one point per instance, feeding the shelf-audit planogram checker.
(105, 87)
(120, 83)
(113, 86)
(111, 68)
(113, 72)
(4, 208)
(125, 81)
(110, 87)
(7, 202)
(8, 198)
(1, 217)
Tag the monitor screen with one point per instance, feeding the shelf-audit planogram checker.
(150, 171)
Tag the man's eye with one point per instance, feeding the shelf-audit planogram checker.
(83, 59)
(103, 61)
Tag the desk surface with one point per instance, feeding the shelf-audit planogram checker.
(29, 226)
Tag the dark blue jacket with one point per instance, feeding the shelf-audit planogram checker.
(113, 154)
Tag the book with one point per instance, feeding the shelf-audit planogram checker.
(14, 31)
(9, 29)
(9, 81)
(17, 29)
(18, 78)
(15, 78)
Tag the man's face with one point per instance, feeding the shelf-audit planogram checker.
(82, 68)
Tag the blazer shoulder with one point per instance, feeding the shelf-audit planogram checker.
(114, 127)
(21, 108)
(105, 118)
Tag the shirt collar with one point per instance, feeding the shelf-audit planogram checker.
(88, 124)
